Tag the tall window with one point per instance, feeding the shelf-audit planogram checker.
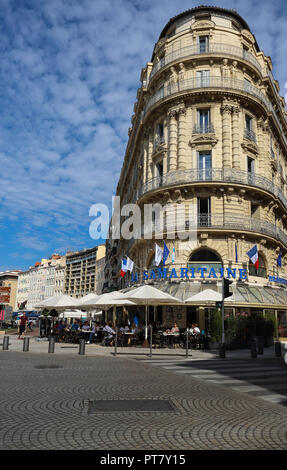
(203, 121)
(204, 165)
(159, 172)
(249, 133)
(203, 44)
(203, 211)
(202, 78)
(247, 85)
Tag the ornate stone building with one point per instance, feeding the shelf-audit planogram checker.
(209, 129)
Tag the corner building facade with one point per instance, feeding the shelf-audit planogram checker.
(210, 130)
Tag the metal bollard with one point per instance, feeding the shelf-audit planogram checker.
(222, 351)
(186, 344)
(82, 345)
(5, 346)
(278, 352)
(260, 345)
(253, 349)
(150, 342)
(116, 341)
(51, 344)
(26, 344)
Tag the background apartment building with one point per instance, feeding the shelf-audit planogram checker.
(84, 271)
(8, 290)
(40, 281)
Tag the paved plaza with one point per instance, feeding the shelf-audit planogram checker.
(100, 402)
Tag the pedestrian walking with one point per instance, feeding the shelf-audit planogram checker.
(22, 326)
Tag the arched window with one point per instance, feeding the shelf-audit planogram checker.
(205, 258)
(261, 271)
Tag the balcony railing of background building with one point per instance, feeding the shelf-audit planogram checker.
(191, 84)
(216, 48)
(220, 175)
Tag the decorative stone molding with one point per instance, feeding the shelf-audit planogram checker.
(202, 27)
(203, 139)
(176, 110)
(249, 146)
(247, 38)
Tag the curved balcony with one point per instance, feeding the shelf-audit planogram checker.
(213, 175)
(221, 222)
(216, 48)
(228, 84)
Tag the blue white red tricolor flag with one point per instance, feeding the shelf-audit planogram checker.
(124, 268)
(253, 255)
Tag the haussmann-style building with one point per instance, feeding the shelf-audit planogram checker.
(209, 130)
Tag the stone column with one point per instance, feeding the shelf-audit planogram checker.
(181, 138)
(235, 138)
(172, 147)
(145, 158)
(226, 110)
(149, 159)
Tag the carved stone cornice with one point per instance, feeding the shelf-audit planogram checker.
(226, 108)
(176, 110)
(203, 139)
(249, 146)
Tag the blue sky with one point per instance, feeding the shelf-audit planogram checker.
(69, 73)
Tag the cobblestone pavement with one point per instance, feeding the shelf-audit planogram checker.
(45, 404)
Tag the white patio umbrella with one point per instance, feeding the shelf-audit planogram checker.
(105, 301)
(87, 298)
(60, 302)
(149, 295)
(205, 296)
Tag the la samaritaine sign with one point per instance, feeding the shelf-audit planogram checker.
(192, 273)
(189, 273)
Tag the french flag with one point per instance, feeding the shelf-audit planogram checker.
(124, 268)
(253, 255)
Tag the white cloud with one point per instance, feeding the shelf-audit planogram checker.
(68, 79)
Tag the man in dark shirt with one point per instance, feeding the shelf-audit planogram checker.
(22, 326)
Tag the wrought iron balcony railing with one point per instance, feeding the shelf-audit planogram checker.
(203, 129)
(159, 140)
(215, 48)
(230, 222)
(250, 135)
(194, 84)
(220, 175)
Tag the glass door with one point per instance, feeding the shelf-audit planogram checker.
(203, 211)
(204, 165)
(202, 78)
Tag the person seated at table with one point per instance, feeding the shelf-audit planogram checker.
(86, 326)
(195, 329)
(158, 326)
(175, 329)
(75, 326)
(94, 332)
(110, 332)
(133, 328)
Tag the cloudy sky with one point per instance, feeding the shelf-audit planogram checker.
(69, 72)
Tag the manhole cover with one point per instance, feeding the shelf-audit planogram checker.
(48, 367)
(145, 405)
